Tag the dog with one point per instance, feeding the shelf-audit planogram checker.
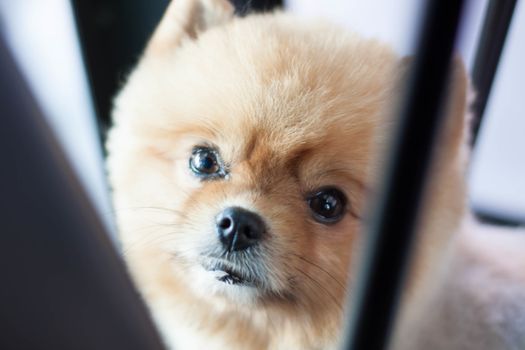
(242, 154)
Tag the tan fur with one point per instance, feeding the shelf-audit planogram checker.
(292, 106)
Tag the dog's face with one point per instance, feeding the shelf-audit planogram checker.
(241, 158)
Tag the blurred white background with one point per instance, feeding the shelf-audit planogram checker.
(44, 39)
(497, 178)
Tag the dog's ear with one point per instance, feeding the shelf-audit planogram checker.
(186, 19)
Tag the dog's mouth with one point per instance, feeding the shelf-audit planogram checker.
(228, 274)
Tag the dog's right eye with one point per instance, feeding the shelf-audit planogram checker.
(327, 205)
(204, 162)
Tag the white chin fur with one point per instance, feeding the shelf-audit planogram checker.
(206, 284)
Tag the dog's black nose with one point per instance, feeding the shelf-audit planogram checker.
(239, 228)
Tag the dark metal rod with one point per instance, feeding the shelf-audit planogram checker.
(243, 7)
(488, 52)
(391, 227)
(113, 34)
(63, 285)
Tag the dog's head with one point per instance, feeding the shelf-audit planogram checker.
(242, 154)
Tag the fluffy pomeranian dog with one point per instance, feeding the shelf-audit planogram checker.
(242, 153)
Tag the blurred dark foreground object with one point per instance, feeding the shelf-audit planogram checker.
(63, 285)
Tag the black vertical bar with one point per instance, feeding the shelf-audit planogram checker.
(490, 45)
(392, 225)
(63, 285)
(243, 7)
(113, 34)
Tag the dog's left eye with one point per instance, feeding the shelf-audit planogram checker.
(204, 162)
(327, 205)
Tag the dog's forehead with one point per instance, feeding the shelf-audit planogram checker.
(290, 92)
(269, 65)
(273, 152)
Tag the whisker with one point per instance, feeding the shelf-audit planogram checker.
(144, 242)
(321, 269)
(320, 285)
(165, 209)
